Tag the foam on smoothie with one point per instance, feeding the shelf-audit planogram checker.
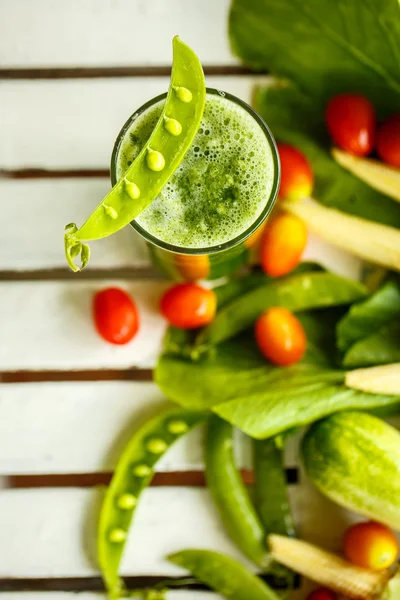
(221, 186)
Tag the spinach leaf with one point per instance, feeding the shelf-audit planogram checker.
(364, 318)
(324, 46)
(267, 414)
(237, 368)
(296, 293)
(379, 348)
(294, 120)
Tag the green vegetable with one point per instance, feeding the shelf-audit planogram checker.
(354, 459)
(373, 242)
(364, 318)
(324, 47)
(296, 293)
(270, 491)
(224, 575)
(230, 494)
(270, 495)
(380, 348)
(236, 368)
(378, 175)
(267, 414)
(133, 473)
(156, 162)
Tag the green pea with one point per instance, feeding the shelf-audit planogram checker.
(173, 126)
(155, 160)
(126, 501)
(141, 470)
(177, 427)
(132, 190)
(184, 94)
(156, 446)
(110, 211)
(132, 475)
(185, 100)
(117, 536)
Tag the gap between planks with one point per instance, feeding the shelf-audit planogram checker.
(87, 375)
(113, 72)
(63, 274)
(160, 479)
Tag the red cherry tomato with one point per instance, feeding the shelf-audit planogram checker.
(351, 122)
(188, 305)
(388, 141)
(322, 594)
(115, 316)
(280, 336)
(297, 178)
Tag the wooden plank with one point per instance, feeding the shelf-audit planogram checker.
(107, 33)
(51, 204)
(100, 418)
(48, 325)
(51, 533)
(74, 123)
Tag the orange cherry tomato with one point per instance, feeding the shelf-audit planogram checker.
(297, 178)
(351, 122)
(322, 594)
(283, 243)
(115, 315)
(280, 336)
(193, 267)
(388, 141)
(370, 545)
(188, 305)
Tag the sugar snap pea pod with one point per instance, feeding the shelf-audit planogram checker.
(230, 494)
(132, 475)
(224, 575)
(157, 161)
(270, 495)
(296, 293)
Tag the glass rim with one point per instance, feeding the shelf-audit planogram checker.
(242, 237)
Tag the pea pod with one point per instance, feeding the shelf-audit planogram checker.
(132, 475)
(296, 293)
(224, 575)
(155, 164)
(270, 494)
(230, 494)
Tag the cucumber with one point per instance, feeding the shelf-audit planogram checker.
(354, 459)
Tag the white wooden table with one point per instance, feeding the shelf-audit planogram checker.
(71, 73)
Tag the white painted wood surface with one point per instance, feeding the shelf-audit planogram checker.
(110, 33)
(59, 526)
(49, 325)
(73, 123)
(40, 420)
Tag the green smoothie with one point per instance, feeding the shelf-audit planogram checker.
(223, 184)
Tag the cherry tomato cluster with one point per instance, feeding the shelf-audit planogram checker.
(352, 123)
(369, 545)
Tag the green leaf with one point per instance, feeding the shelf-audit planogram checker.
(296, 293)
(379, 348)
(325, 47)
(365, 317)
(267, 414)
(294, 119)
(236, 368)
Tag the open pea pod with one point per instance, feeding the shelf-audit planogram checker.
(133, 474)
(157, 161)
